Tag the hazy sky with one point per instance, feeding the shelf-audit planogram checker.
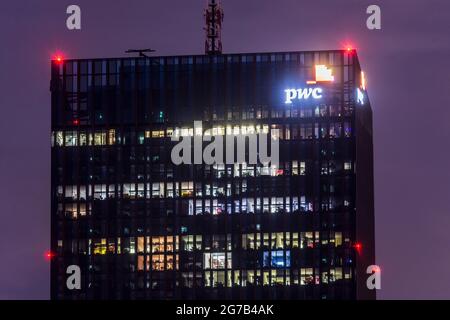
(407, 64)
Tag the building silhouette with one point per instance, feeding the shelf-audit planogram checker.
(141, 227)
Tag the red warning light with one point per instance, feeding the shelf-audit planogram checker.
(358, 247)
(349, 49)
(58, 58)
(49, 255)
(76, 122)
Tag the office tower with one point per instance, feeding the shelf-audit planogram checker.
(141, 227)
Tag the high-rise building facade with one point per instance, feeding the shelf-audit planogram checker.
(140, 226)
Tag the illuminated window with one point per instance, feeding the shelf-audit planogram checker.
(306, 276)
(84, 209)
(276, 205)
(171, 243)
(219, 278)
(129, 190)
(302, 168)
(335, 274)
(298, 168)
(158, 262)
(305, 206)
(219, 170)
(198, 242)
(265, 243)
(172, 262)
(100, 138)
(99, 246)
(324, 277)
(188, 244)
(295, 168)
(287, 239)
(119, 249)
(140, 190)
(280, 277)
(158, 244)
(236, 278)
(71, 210)
(59, 138)
(187, 189)
(277, 259)
(158, 134)
(215, 279)
(140, 264)
(251, 241)
(336, 238)
(186, 132)
(347, 165)
(158, 190)
(306, 240)
(295, 243)
(111, 246)
(248, 170)
(140, 245)
(71, 192)
(71, 139)
(100, 191)
(248, 205)
(216, 260)
(132, 245)
(218, 131)
(111, 191)
(111, 136)
(277, 240)
(198, 189)
(266, 278)
(248, 277)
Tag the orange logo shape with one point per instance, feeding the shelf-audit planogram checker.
(323, 74)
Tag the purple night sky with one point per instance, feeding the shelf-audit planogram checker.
(407, 64)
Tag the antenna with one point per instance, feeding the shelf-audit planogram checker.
(213, 26)
(140, 51)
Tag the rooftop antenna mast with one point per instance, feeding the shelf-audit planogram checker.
(213, 26)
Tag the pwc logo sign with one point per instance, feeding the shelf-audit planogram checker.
(322, 74)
